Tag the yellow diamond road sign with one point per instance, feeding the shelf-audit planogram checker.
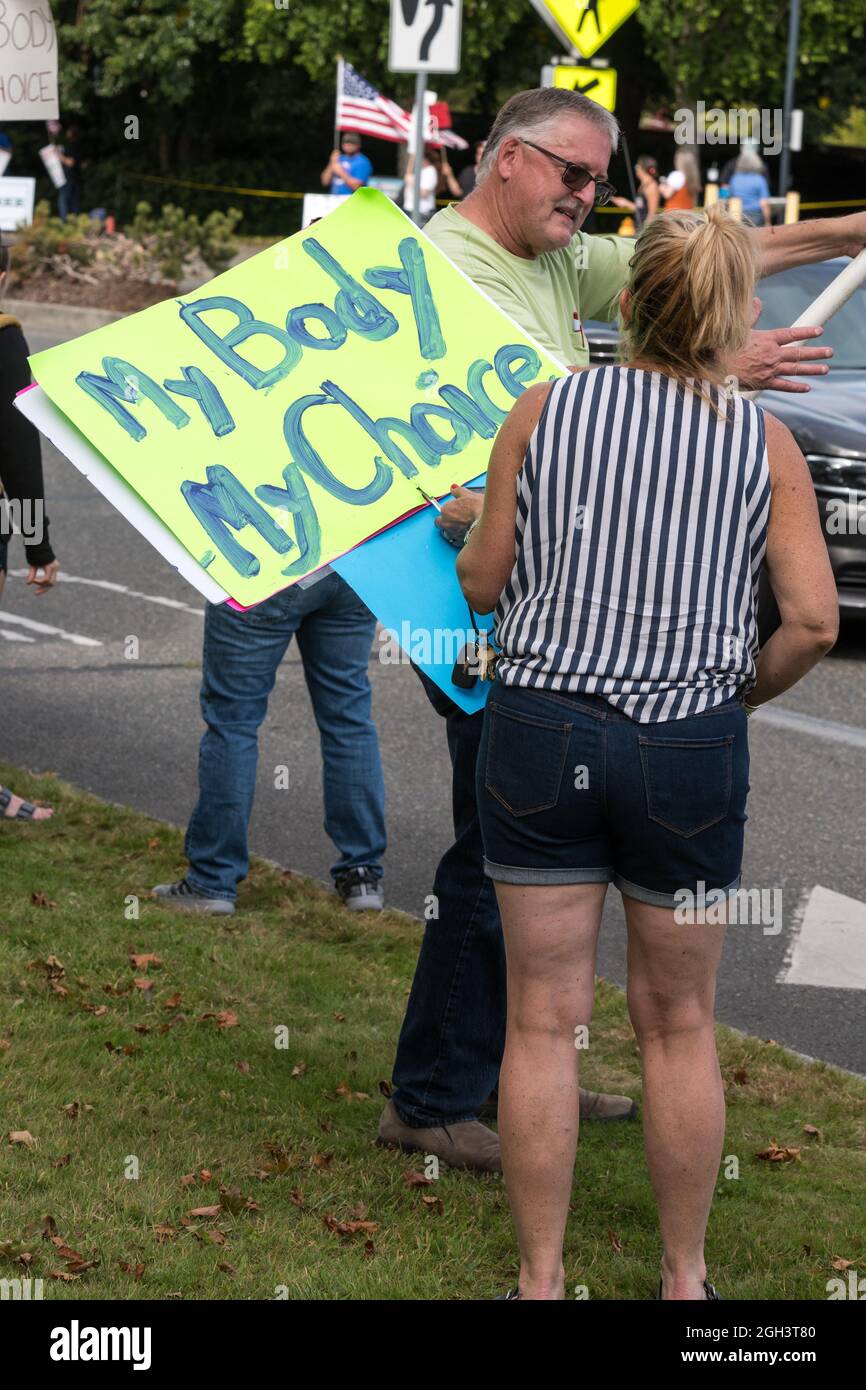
(585, 24)
(597, 83)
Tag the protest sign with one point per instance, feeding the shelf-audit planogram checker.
(28, 61)
(211, 406)
(16, 202)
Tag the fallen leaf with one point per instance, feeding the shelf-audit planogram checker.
(841, 1264)
(217, 1237)
(142, 1028)
(21, 1136)
(63, 1275)
(40, 900)
(369, 1248)
(226, 1267)
(51, 967)
(205, 1174)
(226, 1018)
(299, 1069)
(164, 1234)
(320, 1160)
(812, 1130)
(143, 984)
(4, 1043)
(62, 1161)
(76, 1108)
(143, 962)
(349, 1228)
(297, 1197)
(739, 1076)
(615, 1241)
(776, 1154)
(173, 1000)
(135, 1270)
(434, 1203)
(188, 1180)
(243, 1067)
(205, 1211)
(341, 1018)
(345, 1092)
(415, 1179)
(153, 844)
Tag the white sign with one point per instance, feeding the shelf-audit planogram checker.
(28, 61)
(318, 205)
(16, 203)
(425, 35)
(50, 156)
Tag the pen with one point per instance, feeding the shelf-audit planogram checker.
(428, 498)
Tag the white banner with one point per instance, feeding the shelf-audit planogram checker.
(16, 203)
(28, 61)
(50, 156)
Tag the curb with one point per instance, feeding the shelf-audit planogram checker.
(41, 317)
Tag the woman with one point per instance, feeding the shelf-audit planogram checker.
(626, 517)
(429, 184)
(749, 184)
(648, 198)
(20, 482)
(681, 189)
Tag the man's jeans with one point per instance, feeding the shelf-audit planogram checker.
(453, 1036)
(242, 652)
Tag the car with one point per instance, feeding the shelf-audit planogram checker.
(828, 422)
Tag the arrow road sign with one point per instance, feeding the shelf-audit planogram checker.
(425, 35)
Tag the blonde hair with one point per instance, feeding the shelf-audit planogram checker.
(692, 282)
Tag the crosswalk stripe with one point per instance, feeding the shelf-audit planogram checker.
(113, 588)
(50, 631)
(828, 947)
(809, 724)
(16, 636)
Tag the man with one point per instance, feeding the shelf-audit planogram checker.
(346, 171)
(69, 196)
(518, 237)
(242, 652)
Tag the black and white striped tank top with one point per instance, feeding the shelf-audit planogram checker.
(641, 528)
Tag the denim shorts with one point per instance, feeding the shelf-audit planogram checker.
(571, 790)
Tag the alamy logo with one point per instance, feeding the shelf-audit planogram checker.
(742, 125)
(77, 1343)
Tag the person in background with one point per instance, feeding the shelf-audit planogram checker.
(448, 184)
(681, 189)
(749, 183)
(5, 150)
(20, 484)
(69, 196)
(647, 202)
(468, 176)
(430, 171)
(348, 168)
(629, 653)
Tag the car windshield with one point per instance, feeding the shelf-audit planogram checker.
(785, 296)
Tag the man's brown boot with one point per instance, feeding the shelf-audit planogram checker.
(465, 1145)
(595, 1105)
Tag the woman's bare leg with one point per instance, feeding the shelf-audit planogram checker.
(551, 935)
(671, 994)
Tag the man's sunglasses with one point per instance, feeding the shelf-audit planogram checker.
(575, 176)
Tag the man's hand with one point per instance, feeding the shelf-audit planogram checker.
(458, 514)
(48, 577)
(768, 359)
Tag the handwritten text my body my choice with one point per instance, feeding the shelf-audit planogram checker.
(223, 505)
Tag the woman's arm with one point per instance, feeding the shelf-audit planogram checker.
(448, 174)
(799, 571)
(487, 558)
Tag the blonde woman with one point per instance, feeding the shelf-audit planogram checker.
(626, 518)
(681, 188)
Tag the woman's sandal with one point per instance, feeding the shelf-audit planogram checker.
(507, 1297)
(26, 811)
(709, 1289)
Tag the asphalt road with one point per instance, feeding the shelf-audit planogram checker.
(128, 731)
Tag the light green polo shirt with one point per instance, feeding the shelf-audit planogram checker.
(550, 297)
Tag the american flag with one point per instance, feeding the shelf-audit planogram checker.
(361, 107)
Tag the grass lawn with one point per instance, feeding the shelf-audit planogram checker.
(171, 1068)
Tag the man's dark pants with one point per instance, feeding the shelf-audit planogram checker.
(453, 1036)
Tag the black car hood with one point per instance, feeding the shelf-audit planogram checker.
(829, 419)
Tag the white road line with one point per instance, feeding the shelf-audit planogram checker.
(16, 636)
(50, 631)
(118, 589)
(828, 945)
(808, 724)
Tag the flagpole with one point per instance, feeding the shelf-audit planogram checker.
(336, 144)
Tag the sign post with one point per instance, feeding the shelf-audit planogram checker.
(425, 37)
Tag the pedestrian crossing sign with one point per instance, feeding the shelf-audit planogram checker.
(599, 84)
(585, 24)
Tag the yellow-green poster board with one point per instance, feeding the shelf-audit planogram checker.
(291, 407)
